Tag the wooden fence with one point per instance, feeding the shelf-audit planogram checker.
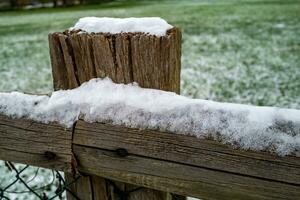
(163, 162)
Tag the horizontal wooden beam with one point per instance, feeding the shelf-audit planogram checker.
(179, 178)
(184, 164)
(33, 143)
(170, 162)
(188, 150)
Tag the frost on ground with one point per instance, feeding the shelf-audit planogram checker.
(259, 65)
(100, 100)
(152, 25)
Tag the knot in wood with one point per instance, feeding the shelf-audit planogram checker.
(50, 155)
(122, 152)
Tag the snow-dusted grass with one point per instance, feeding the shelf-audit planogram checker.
(245, 51)
(234, 67)
(24, 63)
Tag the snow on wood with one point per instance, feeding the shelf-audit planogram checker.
(151, 25)
(100, 100)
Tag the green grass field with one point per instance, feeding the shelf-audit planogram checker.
(245, 51)
(234, 51)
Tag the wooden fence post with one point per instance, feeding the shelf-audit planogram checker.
(151, 61)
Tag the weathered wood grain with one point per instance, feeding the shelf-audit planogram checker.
(175, 163)
(82, 188)
(151, 61)
(189, 150)
(69, 61)
(58, 63)
(29, 142)
(180, 178)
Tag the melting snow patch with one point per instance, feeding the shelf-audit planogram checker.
(151, 25)
(101, 100)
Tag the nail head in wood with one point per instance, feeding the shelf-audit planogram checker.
(121, 152)
(50, 155)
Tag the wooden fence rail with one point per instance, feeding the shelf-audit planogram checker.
(162, 161)
(176, 163)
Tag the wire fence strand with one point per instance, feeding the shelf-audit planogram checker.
(57, 181)
(42, 192)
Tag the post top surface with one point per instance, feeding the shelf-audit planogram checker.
(150, 25)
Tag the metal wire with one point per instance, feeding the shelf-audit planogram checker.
(57, 181)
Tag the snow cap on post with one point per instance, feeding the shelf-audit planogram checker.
(150, 25)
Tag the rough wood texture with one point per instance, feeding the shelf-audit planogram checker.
(175, 163)
(43, 145)
(88, 187)
(151, 61)
(188, 150)
(184, 164)
(181, 178)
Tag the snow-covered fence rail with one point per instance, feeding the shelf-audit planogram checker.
(132, 135)
(177, 163)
